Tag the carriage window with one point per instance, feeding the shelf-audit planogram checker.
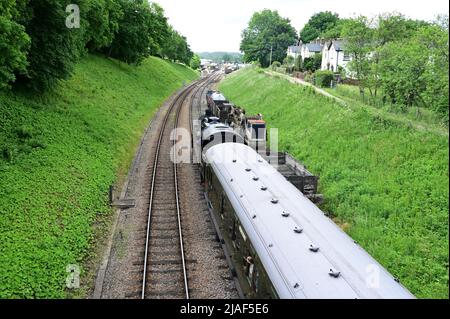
(249, 269)
(222, 204)
(233, 231)
(256, 280)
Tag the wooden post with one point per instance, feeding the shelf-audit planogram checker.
(111, 191)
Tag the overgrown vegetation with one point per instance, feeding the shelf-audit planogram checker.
(59, 153)
(323, 78)
(41, 41)
(385, 181)
(407, 60)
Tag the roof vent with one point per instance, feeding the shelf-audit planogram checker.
(234, 161)
(263, 188)
(248, 169)
(334, 273)
(254, 216)
(260, 160)
(313, 248)
(231, 180)
(285, 214)
(255, 178)
(298, 230)
(296, 285)
(271, 245)
(274, 201)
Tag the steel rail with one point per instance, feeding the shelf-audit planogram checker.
(177, 101)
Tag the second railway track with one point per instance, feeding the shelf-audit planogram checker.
(165, 266)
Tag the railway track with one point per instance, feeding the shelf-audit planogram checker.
(164, 272)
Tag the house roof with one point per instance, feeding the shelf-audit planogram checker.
(338, 45)
(294, 48)
(314, 47)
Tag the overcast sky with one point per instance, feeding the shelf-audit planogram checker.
(216, 25)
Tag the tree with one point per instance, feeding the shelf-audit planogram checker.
(267, 37)
(14, 44)
(55, 48)
(195, 62)
(436, 94)
(102, 18)
(313, 63)
(437, 73)
(298, 63)
(131, 43)
(335, 31)
(176, 48)
(319, 23)
(158, 28)
(394, 27)
(402, 68)
(359, 44)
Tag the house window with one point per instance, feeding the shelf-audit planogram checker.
(346, 57)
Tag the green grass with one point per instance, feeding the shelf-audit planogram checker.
(58, 155)
(420, 115)
(384, 181)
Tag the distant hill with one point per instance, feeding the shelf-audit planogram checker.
(221, 56)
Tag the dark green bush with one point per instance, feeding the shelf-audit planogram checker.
(14, 43)
(323, 78)
(55, 48)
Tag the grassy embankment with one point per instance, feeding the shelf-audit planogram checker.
(58, 155)
(384, 181)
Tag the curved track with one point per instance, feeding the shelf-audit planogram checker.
(165, 272)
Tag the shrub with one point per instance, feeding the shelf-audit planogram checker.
(54, 47)
(14, 43)
(275, 65)
(313, 63)
(323, 78)
(309, 77)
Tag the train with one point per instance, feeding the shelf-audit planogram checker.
(279, 243)
(251, 128)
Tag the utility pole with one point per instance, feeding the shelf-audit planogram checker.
(271, 48)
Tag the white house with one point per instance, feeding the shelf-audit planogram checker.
(294, 51)
(310, 49)
(335, 56)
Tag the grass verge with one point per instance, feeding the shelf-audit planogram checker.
(59, 153)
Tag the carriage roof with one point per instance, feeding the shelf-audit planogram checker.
(305, 254)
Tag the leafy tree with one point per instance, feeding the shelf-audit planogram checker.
(131, 42)
(435, 37)
(176, 48)
(298, 63)
(267, 34)
(14, 43)
(359, 43)
(319, 23)
(289, 62)
(323, 78)
(158, 28)
(195, 62)
(335, 31)
(313, 63)
(402, 68)
(102, 18)
(394, 27)
(55, 48)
